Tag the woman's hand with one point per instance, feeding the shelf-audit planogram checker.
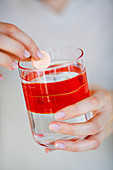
(95, 130)
(15, 45)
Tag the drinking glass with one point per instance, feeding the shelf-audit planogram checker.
(49, 90)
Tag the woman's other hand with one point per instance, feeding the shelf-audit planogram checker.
(94, 131)
(15, 45)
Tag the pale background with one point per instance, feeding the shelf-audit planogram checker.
(84, 23)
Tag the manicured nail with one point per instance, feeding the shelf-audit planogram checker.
(60, 146)
(14, 65)
(26, 54)
(1, 78)
(54, 127)
(60, 115)
(39, 54)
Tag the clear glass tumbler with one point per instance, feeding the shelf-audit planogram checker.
(47, 91)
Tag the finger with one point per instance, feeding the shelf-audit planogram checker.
(1, 77)
(92, 103)
(90, 127)
(7, 61)
(17, 58)
(17, 34)
(91, 143)
(12, 46)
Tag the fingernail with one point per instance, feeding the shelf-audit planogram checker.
(54, 127)
(14, 65)
(60, 146)
(1, 78)
(26, 54)
(60, 115)
(39, 54)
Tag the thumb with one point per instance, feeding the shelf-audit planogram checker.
(7, 61)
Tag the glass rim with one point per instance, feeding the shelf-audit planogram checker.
(55, 67)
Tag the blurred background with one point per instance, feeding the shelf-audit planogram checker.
(87, 24)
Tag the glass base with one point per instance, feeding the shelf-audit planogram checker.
(51, 145)
(47, 140)
(45, 137)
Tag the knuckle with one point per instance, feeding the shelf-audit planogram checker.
(94, 128)
(71, 130)
(73, 147)
(96, 144)
(32, 47)
(74, 109)
(30, 44)
(11, 29)
(19, 49)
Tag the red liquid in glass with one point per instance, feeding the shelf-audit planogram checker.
(50, 97)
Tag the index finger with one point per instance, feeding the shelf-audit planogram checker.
(92, 103)
(17, 34)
